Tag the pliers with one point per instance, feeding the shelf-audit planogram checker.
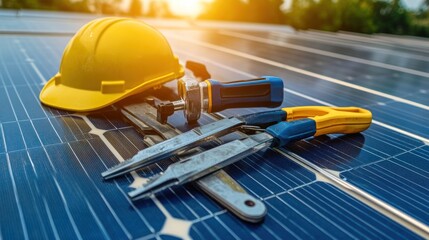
(271, 129)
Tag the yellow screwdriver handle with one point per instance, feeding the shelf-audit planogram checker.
(332, 119)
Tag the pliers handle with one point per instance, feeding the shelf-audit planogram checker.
(332, 119)
(302, 122)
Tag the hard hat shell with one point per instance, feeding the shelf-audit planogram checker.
(107, 60)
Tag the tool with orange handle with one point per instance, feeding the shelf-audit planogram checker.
(272, 129)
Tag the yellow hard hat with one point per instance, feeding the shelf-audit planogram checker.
(107, 60)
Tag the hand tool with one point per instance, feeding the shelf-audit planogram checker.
(190, 139)
(220, 186)
(213, 96)
(311, 121)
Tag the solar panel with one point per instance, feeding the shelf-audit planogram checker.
(51, 160)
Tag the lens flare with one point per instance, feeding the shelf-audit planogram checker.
(186, 7)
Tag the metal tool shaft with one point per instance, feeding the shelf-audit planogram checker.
(202, 164)
(172, 146)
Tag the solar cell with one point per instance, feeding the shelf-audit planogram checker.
(51, 160)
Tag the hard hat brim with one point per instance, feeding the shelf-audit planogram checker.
(73, 99)
(80, 100)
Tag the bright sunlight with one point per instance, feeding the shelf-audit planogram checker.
(189, 8)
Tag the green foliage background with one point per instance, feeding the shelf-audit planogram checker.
(363, 16)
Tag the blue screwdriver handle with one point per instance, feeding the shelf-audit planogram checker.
(266, 91)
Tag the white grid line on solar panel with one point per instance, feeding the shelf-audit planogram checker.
(295, 69)
(377, 135)
(36, 99)
(324, 53)
(99, 224)
(112, 211)
(303, 35)
(173, 191)
(358, 95)
(119, 157)
(51, 221)
(17, 201)
(158, 204)
(356, 38)
(137, 210)
(245, 172)
(329, 88)
(383, 159)
(382, 207)
(53, 59)
(31, 62)
(374, 135)
(393, 159)
(333, 199)
(268, 174)
(342, 69)
(51, 125)
(407, 195)
(184, 203)
(19, 125)
(387, 176)
(26, 112)
(415, 41)
(329, 91)
(306, 218)
(422, 153)
(333, 213)
(329, 159)
(28, 16)
(302, 230)
(407, 204)
(303, 95)
(65, 204)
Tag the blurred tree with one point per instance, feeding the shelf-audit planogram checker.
(423, 11)
(106, 6)
(391, 17)
(312, 14)
(228, 10)
(18, 4)
(159, 8)
(356, 16)
(364, 16)
(135, 8)
(263, 11)
(67, 5)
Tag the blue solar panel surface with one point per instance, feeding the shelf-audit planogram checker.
(51, 160)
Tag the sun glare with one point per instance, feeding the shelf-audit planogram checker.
(189, 8)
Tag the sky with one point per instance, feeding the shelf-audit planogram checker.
(412, 4)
